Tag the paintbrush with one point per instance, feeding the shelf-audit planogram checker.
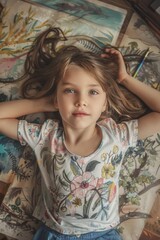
(141, 63)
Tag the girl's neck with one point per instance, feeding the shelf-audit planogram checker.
(83, 143)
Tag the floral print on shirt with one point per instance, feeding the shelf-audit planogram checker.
(75, 187)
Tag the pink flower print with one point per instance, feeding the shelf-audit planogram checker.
(57, 146)
(82, 184)
(81, 162)
(124, 142)
(34, 131)
(100, 182)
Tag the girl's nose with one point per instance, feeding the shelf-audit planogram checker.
(80, 103)
(81, 99)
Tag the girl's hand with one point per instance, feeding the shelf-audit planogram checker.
(118, 58)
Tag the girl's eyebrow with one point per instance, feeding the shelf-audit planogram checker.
(90, 85)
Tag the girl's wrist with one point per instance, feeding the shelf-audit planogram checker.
(125, 80)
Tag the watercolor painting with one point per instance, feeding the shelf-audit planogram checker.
(104, 14)
(102, 23)
(97, 13)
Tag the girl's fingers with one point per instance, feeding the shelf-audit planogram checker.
(104, 55)
(111, 51)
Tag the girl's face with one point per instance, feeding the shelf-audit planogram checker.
(80, 99)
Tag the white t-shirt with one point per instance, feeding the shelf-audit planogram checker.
(79, 194)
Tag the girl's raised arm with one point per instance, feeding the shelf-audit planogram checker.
(150, 123)
(11, 110)
(18, 108)
(9, 128)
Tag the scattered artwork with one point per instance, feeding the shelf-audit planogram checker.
(137, 39)
(104, 14)
(102, 23)
(91, 25)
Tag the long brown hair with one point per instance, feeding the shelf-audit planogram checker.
(48, 60)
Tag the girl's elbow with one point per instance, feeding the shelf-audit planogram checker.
(8, 127)
(149, 125)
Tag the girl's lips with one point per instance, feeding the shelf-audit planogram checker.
(77, 114)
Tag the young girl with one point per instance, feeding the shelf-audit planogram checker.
(80, 152)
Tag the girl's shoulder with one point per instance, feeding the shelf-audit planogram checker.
(39, 128)
(51, 125)
(126, 131)
(33, 133)
(109, 122)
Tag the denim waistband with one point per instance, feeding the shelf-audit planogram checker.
(45, 233)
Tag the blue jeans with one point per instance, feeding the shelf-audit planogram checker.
(45, 233)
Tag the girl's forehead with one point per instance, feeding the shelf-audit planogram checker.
(77, 73)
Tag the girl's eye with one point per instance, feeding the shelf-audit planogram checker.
(69, 90)
(93, 92)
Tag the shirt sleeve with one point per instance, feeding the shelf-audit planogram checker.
(28, 133)
(126, 133)
(32, 133)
